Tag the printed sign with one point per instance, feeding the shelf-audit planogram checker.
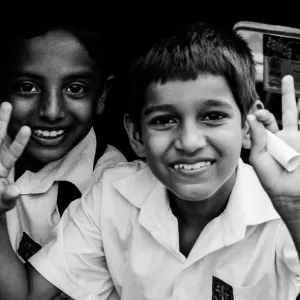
(281, 57)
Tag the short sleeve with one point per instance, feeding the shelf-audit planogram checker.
(74, 260)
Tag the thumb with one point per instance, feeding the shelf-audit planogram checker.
(258, 137)
(9, 197)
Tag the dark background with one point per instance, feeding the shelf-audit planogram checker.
(131, 26)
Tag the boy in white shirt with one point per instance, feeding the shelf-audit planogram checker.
(195, 222)
(58, 78)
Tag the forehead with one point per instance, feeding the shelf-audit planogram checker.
(205, 87)
(57, 49)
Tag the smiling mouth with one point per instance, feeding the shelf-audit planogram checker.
(48, 138)
(48, 134)
(192, 167)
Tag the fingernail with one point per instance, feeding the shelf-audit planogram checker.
(6, 106)
(288, 78)
(251, 117)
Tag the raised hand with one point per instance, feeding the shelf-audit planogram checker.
(282, 186)
(9, 154)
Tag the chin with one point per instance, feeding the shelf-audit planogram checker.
(46, 156)
(193, 195)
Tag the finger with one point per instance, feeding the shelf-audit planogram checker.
(258, 136)
(289, 105)
(298, 109)
(9, 197)
(267, 118)
(5, 112)
(17, 147)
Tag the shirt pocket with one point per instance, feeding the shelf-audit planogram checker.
(263, 289)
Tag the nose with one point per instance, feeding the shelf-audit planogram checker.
(52, 108)
(190, 137)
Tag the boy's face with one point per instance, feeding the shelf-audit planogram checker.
(55, 90)
(192, 136)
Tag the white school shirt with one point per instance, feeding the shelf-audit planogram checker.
(122, 233)
(36, 212)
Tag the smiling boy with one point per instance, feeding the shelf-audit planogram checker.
(55, 90)
(55, 78)
(191, 131)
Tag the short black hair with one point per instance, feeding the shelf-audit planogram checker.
(88, 33)
(184, 52)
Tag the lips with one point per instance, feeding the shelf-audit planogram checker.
(191, 168)
(48, 133)
(48, 137)
(195, 166)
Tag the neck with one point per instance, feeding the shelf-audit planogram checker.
(200, 213)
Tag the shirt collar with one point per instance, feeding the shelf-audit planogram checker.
(137, 186)
(76, 167)
(146, 192)
(248, 204)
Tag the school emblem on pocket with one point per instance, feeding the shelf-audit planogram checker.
(28, 247)
(221, 290)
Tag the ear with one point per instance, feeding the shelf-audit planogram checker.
(101, 101)
(247, 140)
(135, 138)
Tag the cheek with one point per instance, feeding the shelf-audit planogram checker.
(157, 143)
(22, 111)
(228, 143)
(82, 111)
(21, 104)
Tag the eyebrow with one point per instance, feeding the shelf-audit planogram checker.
(157, 108)
(216, 103)
(86, 75)
(80, 74)
(206, 104)
(15, 73)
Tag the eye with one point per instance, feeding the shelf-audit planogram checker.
(213, 116)
(76, 88)
(25, 87)
(162, 121)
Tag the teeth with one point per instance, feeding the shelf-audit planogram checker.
(196, 166)
(46, 133)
